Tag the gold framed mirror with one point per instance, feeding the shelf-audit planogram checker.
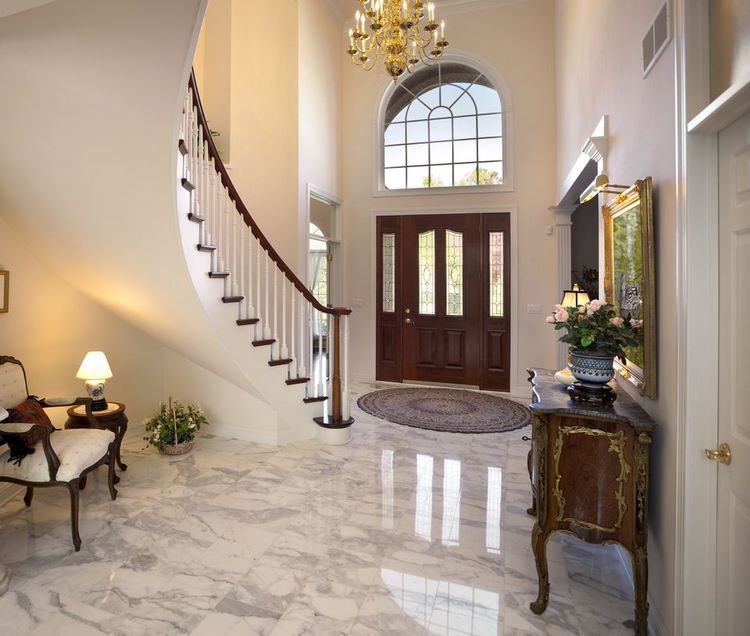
(629, 276)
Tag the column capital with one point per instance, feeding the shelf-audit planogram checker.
(563, 213)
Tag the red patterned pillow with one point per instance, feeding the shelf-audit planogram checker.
(29, 411)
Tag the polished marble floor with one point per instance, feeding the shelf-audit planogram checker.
(400, 532)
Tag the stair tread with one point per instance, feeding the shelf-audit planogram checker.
(187, 185)
(310, 400)
(182, 147)
(232, 299)
(263, 343)
(218, 274)
(195, 218)
(206, 248)
(248, 321)
(280, 362)
(298, 381)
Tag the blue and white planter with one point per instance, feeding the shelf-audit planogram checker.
(591, 369)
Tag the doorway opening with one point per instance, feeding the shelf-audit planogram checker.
(443, 294)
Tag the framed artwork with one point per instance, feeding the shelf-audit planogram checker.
(629, 277)
(4, 290)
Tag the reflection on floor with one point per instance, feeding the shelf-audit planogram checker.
(403, 531)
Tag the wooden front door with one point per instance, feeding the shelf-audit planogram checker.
(443, 299)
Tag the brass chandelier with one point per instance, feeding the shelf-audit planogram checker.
(392, 29)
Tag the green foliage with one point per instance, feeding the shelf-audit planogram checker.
(437, 182)
(174, 426)
(597, 329)
(485, 177)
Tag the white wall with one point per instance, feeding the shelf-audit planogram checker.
(320, 107)
(599, 72)
(730, 43)
(51, 326)
(515, 43)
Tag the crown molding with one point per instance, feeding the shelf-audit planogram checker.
(344, 9)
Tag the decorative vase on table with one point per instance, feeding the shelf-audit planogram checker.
(591, 368)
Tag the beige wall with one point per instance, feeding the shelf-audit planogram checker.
(264, 117)
(51, 326)
(730, 43)
(599, 73)
(500, 38)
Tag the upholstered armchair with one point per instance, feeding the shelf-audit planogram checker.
(59, 458)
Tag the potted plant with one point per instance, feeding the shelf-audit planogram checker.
(172, 430)
(597, 335)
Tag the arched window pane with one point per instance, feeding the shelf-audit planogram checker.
(395, 134)
(443, 129)
(464, 106)
(489, 126)
(416, 132)
(487, 99)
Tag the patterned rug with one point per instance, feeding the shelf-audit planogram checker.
(449, 410)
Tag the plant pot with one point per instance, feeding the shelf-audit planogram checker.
(176, 449)
(591, 369)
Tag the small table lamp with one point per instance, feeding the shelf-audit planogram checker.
(575, 297)
(95, 370)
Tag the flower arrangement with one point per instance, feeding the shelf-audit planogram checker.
(596, 329)
(174, 424)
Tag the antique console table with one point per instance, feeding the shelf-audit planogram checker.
(589, 475)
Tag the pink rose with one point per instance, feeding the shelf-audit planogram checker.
(550, 320)
(561, 315)
(559, 307)
(617, 321)
(582, 309)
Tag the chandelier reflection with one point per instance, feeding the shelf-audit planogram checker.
(402, 33)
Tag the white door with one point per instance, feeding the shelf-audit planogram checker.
(733, 553)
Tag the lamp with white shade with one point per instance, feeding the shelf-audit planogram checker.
(95, 371)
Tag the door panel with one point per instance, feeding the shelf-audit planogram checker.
(440, 256)
(388, 337)
(733, 549)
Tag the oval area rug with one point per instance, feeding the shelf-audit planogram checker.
(448, 410)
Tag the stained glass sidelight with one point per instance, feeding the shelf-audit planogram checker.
(497, 269)
(389, 273)
(454, 273)
(427, 272)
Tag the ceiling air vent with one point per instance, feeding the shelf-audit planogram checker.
(656, 39)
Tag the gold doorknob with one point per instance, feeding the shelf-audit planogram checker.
(409, 321)
(407, 311)
(722, 455)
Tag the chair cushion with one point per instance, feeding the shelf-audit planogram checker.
(12, 385)
(77, 449)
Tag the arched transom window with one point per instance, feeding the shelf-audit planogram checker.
(443, 128)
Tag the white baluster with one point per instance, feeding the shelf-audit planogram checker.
(249, 309)
(236, 263)
(242, 258)
(300, 323)
(218, 211)
(328, 361)
(345, 370)
(257, 285)
(227, 243)
(275, 345)
(309, 354)
(267, 334)
(321, 357)
(294, 367)
(284, 352)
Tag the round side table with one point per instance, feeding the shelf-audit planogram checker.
(112, 418)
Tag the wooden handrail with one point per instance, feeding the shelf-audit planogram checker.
(247, 217)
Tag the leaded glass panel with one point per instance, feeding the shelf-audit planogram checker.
(454, 273)
(427, 272)
(497, 271)
(389, 273)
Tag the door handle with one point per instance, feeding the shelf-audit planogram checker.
(409, 321)
(723, 454)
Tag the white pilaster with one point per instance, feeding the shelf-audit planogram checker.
(563, 224)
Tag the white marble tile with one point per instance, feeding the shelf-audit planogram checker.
(401, 531)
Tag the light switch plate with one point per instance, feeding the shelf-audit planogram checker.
(534, 309)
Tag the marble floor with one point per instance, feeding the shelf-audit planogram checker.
(400, 532)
